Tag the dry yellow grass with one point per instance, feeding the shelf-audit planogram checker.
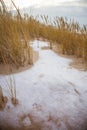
(15, 29)
(12, 50)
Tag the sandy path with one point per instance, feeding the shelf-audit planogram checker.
(52, 96)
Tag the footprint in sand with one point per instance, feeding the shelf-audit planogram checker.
(41, 75)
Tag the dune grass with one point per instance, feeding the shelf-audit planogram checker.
(68, 34)
(16, 32)
(12, 50)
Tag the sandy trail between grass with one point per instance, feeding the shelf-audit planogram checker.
(52, 96)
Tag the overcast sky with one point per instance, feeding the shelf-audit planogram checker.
(39, 3)
(73, 9)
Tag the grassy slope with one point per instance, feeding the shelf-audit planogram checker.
(16, 31)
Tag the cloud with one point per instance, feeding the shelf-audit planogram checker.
(39, 3)
(84, 1)
(76, 3)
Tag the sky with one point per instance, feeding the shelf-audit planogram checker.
(73, 9)
(39, 3)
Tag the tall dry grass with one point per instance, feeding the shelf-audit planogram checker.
(17, 30)
(71, 37)
(14, 47)
(12, 50)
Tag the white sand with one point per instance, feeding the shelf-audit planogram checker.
(51, 95)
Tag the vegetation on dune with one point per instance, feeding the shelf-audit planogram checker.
(16, 31)
(3, 100)
(71, 37)
(12, 51)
